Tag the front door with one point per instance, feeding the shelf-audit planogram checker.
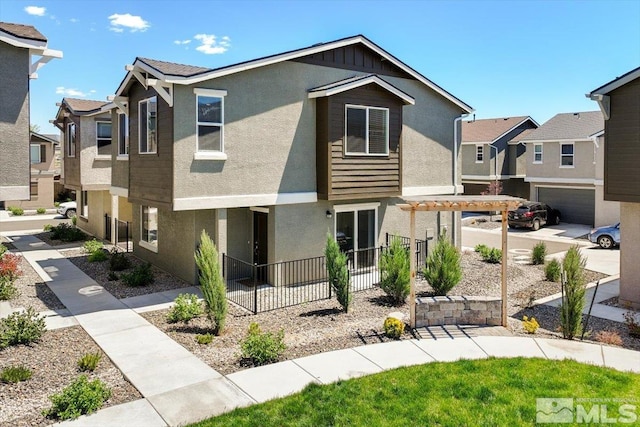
(260, 255)
(356, 235)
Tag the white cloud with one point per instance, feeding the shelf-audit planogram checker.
(127, 21)
(35, 10)
(74, 20)
(179, 42)
(210, 45)
(61, 90)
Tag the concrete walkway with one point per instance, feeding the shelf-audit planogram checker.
(179, 389)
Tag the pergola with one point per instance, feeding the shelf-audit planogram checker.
(459, 204)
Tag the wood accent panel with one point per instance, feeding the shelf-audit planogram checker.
(356, 58)
(150, 175)
(622, 145)
(342, 176)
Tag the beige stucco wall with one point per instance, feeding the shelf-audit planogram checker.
(629, 250)
(584, 158)
(95, 172)
(45, 196)
(99, 204)
(125, 210)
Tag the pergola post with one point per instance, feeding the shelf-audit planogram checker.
(412, 257)
(504, 268)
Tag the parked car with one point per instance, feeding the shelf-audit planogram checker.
(533, 215)
(67, 209)
(607, 237)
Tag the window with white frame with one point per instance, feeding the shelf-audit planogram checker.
(71, 140)
(123, 134)
(149, 227)
(84, 200)
(103, 138)
(537, 153)
(37, 153)
(210, 120)
(366, 130)
(148, 135)
(566, 155)
(479, 153)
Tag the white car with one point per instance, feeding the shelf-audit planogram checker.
(67, 209)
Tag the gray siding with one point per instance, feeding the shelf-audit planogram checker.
(119, 167)
(469, 165)
(14, 123)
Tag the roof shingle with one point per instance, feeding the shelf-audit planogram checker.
(83, 105)
(22, 31)
(488, 130)
(567, 126)
(174, 69)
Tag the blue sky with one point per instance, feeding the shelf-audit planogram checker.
(504, 58)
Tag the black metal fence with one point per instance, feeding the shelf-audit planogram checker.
(107, 227)
(123, 236)
(422, 248)
(266, 287)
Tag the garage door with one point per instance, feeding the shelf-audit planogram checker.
(575, 205)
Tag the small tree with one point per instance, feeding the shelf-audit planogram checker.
(395, 271)
(213, 287)
(338, 272)
(574, 285)
(443, 270)
(493, 189)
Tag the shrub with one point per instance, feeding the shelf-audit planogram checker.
(204, 339)
(74, 220)
(185, 308)
(609, 337)
(443, 270)
(21, 328)
(212, 284)
(89, 362)
(3, 249)
(41, 211)
(67, 233)
(56, 204)
(481, 248)
(10, 267)
(98, 256)
(93, 245)
(47, 227)
(112, 277)
(395, 271)
(7, 289)
(142, 275)
(530, 325)
(262, 347)
(491, 255)
(573, 283)
(79, 398)
(553, 270)
(118, 261)
(15, 210)
(338, 272)
(539, 252)
(632, 323)
(393, 328)
(15, 374)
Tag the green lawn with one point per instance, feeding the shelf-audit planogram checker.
(491, 392)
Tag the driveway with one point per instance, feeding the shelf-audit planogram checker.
(28, 222)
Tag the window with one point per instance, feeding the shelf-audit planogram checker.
(479, 153)
(149, 228)
(71, 140)
(103, 138)
(356, 231)
(84, 200)
(367, 130)
(148, 143)
(566, 155)
(210, 123)
(537, 153)
(123, 135)
(38, 153)
(33, 189)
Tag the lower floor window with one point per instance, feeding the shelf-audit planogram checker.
(84, 198)
(150, 225)
(356, 231)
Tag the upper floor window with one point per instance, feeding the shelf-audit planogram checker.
(367, 130)
(148, 143)
(103, 138)
(71, 140)
(537, 153)
(566, 155)
(38, 153)
(123, 135)
(209, 124)
(479, 153)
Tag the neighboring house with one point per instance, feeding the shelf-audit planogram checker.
(18, 44)
(491, 152)
(565, 167)
(42, 158)
(619, 101)
(270, 155)
(86, 140)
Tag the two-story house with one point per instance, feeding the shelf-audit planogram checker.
(19, 44)
(86, 140)
(565, 168)
(492, 152)
(272, 154)
(619, 101)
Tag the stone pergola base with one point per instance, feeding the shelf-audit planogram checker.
(458, 310)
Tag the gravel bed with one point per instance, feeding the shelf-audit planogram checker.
(53, 362)
(99, 271)
(33, 292)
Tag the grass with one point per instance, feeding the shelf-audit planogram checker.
(481, 393)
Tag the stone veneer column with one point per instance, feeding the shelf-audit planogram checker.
(629, 250)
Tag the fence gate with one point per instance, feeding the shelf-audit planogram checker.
(123, 235)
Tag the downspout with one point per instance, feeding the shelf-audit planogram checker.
(455, 174)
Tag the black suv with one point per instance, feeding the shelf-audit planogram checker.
(533, 215)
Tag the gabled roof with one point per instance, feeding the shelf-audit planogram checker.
(490, 130)
(185, 74)
(82, 106)
(22, 31)
(615, 83)
(27, 37)
(568, 127)
(358, 81)
(45, 138)
(519, 137)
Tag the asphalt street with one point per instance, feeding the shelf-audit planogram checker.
(33, 223)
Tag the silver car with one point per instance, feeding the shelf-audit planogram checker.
(607, 237)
